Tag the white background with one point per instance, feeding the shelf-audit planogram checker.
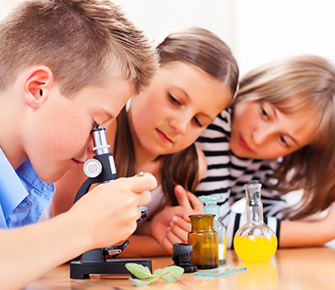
(257, 31)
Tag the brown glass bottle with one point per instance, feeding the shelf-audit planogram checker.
(204, 240)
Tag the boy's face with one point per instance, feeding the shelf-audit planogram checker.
(260, 131)
(181, 101)
(58, 133)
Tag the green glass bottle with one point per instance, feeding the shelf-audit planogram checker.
(204, 240)
(211, 207)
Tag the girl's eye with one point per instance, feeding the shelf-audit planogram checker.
(264, 113)
(174, 100)
(197, 122)
(283, 141)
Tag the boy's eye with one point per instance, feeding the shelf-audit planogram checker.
(283, 141)
(196, 120)
(95, 125)
(174, 100)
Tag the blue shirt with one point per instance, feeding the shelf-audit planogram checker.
(23, 195)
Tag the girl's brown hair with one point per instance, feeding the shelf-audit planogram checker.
(301, 83)
(203, 49)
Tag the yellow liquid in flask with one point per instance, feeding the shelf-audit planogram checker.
(255, 249)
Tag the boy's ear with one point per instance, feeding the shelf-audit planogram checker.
(37, 82)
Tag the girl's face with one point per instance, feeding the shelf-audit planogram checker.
(172, 113)
(260, 131)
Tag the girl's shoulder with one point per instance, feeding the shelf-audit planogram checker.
(202, 164)
(225, 116)
(218, 131)
(222, 123)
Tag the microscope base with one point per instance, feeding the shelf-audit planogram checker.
(82, 270)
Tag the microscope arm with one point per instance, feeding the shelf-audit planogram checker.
(85, 187)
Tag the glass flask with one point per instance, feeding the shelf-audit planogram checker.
(255, 241)
(204, 240)
(211, 207)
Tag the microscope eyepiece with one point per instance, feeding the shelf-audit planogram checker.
(100, 143)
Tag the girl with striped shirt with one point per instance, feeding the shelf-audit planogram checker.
(280, 131)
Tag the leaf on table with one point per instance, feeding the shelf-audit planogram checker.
(153, 278)
(139, 283)
(138, 270)
(158, 272)
(169, 274)
(175, 270)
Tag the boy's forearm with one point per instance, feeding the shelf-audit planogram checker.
(143, 246)
(29, 252)
(303, 234)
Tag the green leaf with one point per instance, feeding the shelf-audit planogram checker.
(158, 272)
(173, 273)
(139, 283)
(153, 278)
(169, 274)
(138, 270)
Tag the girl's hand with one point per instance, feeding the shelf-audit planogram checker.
(308, 231)
(161, 223)
(173, 224)
(188, 201)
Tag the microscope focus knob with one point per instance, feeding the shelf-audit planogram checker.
(92, 168)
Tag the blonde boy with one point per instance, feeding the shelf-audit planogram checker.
(65, 66)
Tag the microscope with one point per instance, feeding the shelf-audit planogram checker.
(102, 169)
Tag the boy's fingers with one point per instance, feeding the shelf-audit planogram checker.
(144, 197)
(182, 198)
(142, 182)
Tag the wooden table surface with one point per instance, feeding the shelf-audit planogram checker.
(302, 268)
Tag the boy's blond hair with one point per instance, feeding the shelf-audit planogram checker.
(82, 41)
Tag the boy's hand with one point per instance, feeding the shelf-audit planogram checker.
(109, 212)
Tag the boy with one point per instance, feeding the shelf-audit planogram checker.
(65, 67)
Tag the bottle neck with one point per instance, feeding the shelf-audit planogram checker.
(203, 228)
(213, 209)
(202, 223)
(254, 203)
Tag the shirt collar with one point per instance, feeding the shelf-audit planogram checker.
(12, 192)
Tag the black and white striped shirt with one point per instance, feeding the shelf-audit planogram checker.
(227, 174)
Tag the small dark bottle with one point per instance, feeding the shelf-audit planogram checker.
(182, 255)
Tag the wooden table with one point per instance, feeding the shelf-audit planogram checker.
(303, 268)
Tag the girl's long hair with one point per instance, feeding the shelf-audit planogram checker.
(203, 49)
(301, 83)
